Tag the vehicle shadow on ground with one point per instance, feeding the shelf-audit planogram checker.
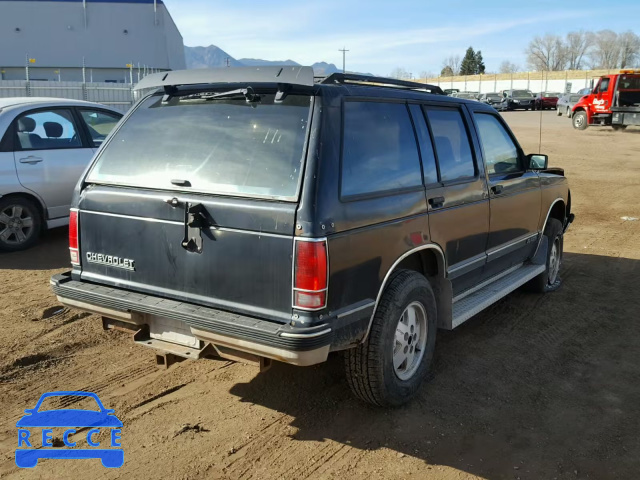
(537, 386)
(50, 253)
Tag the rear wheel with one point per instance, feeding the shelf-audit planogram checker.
(580, 120)
(619, 127)
(558, 112)
(388, 368)
(549, 280)
(20, 224)
(568, 112)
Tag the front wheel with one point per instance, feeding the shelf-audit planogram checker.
(580, 120)
(388, 368)
(558, 112)
(549, 280)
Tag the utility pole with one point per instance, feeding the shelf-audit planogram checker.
(344, 54)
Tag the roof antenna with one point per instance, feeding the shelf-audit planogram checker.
(534, 103)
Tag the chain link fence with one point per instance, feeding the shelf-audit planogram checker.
(115, 95)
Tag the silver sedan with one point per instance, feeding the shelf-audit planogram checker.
(46, 143)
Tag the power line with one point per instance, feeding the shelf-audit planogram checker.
(344, 54)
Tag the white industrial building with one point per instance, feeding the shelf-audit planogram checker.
(55, 37)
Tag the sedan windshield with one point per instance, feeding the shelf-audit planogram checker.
(522, 93)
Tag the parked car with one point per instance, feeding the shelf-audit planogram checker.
(323, 219)
(46, 143)
(492, 99)
(515, 100)
(565, 103)
(450, 91)
(546, 100)
(465, 95)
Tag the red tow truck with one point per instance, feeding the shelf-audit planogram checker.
(614, 101)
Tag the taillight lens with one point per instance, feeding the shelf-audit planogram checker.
(73, 238)
(310, 275)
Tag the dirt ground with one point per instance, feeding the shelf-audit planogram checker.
(536, 387)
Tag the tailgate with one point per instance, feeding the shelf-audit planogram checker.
(134, 239)
(194, 198)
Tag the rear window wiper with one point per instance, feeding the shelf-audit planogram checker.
(246, 93)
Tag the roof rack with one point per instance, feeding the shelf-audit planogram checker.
(354, 78)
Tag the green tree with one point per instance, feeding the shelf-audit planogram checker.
(469, 64)
(480, 68)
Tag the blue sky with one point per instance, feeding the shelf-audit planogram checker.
(381, 35)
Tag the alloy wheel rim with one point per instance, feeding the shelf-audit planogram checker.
(16, 225)
(410, 341)
(578, 120)
(554, 262)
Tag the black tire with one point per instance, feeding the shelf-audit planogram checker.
(579, 120)
(568, 112)
(15, 212)
(619, 127)
(558, 112)
(370, 367)
(549, 280)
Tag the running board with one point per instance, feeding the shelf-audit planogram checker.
(466, 306)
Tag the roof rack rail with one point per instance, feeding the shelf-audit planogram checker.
(355, 78)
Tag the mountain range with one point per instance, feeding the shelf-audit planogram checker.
(212, 57)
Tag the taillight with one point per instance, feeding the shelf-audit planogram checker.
(73, 238)
(310, 275)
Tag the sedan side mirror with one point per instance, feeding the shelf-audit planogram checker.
(537, 161)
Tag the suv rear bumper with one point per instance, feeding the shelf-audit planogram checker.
(295, 345)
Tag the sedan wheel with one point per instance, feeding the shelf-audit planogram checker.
(19, 224)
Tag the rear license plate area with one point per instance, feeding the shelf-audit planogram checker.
(173, 331)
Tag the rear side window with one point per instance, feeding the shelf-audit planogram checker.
(452, 144)
(47, 130)
(379, 150)
(430, 172)
(224, 146)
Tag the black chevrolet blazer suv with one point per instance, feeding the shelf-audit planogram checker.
(262, 214)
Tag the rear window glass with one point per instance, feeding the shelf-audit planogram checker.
(452, 144)
(225, 146)
(628, 82)
(380, 152)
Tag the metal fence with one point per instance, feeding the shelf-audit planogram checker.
(116, 95)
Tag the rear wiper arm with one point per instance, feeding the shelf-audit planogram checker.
(246, 93)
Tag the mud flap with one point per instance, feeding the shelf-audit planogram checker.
(540, 258)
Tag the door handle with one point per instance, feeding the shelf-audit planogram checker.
(31, 160)
(497, 189)
(436, 201)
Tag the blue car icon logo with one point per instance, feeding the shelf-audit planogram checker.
(88, 424)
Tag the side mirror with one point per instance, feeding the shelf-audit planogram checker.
(537, 161)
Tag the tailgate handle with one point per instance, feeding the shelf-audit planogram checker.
(196, 218)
